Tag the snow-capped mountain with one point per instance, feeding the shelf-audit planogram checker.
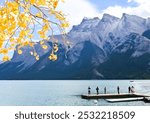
(100, 49)
(99, 31)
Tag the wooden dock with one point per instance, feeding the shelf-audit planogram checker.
(113, 96)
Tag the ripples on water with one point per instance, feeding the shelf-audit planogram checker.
(65, 93)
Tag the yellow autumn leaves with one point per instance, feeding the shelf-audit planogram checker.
(18, 22)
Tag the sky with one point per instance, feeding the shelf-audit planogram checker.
(76, 10)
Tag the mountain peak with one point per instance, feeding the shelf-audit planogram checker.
(125, 15)
(87, 24)
(132, 17)
(107, 17)
(85, 19)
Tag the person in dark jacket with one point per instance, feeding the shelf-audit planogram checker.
(97, 90)
(129, 89)
(89, 90)
(132, 89)
(105, 91)
(118, 90)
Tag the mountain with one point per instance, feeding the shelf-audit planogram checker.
(107, 48)
(76, 64)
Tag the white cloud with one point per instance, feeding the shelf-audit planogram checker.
(76, 10)
(139, 1)
(142, 9)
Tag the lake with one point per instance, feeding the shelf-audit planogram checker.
(66, 93)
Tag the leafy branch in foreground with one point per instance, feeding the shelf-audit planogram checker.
(19, 20)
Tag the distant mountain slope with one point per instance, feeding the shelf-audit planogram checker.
(83, 65)
(130, 60)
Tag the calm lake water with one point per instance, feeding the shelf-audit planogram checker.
(65, 93)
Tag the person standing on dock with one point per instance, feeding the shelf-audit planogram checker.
(97, 90)
(129, 89)
(132, 89)
(89, 90)
(105, 90)
(118, 90)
